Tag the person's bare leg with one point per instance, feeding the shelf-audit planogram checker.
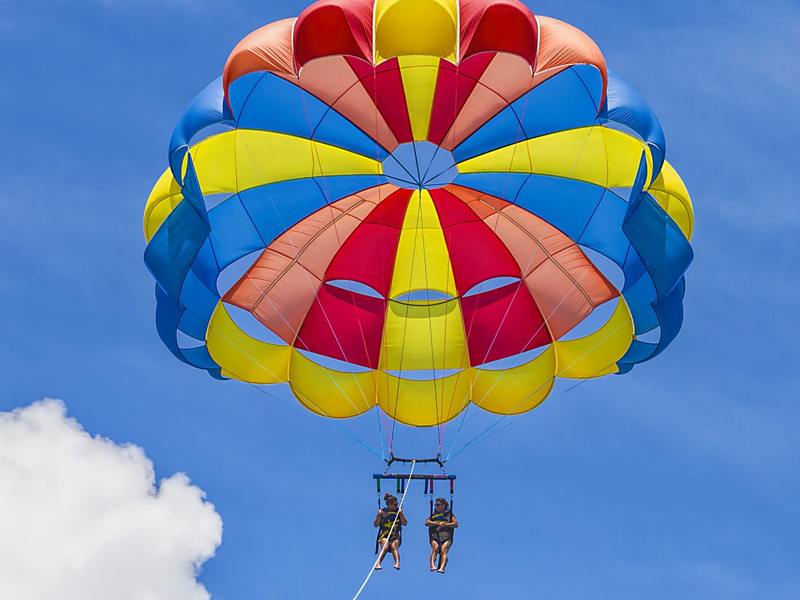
(395, 553)
(384, 544)
(443, 562)
(434, 554)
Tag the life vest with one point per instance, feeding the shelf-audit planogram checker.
(446, 533)
(387, 518)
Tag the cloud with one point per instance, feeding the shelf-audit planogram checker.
(82, 518)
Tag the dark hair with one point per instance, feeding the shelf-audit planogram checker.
(387, 496)
(443, 501)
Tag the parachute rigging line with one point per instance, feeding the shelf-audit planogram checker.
(290, 198)
(505, 315)
(475, 440)
(338, 422)
(508, 308)
(544, 324)
(338, 238)
(300, 261)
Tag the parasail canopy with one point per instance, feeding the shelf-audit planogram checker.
(418, 205)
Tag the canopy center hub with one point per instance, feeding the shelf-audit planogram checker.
(420, 165)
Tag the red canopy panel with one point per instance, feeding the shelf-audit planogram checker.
(499, 25)
(334, 81)
(506, 78)
(345, 326)
(501, 323)
(368, 255)
(280, 287)
(476, 253)
(564, 282)
(384, 84)
(454, 85)
(498, 46)
(332, 27)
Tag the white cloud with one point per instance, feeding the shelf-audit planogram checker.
(81, 518)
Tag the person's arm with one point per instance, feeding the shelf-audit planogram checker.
(453, 521)
(429, 523)
(377, 521)
(402, 517)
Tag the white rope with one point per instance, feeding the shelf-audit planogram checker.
(391, 529)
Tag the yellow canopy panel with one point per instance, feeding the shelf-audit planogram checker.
(243, 357)
(421, 27)
(423, 403)
(596, 154)
(331, 393)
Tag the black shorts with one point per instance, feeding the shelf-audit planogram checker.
(441, 540)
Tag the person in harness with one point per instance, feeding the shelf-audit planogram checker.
(389, 521)
(440, 531)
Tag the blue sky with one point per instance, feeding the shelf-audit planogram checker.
(677, 480)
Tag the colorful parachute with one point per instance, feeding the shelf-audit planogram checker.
(414, 204)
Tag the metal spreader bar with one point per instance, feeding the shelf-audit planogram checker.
(394, 459)
(402, 476)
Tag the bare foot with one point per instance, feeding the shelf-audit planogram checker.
(378, 567)
(433, 568)
(440, 571)
(397, 567)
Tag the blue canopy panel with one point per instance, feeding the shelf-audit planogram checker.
(190, 189)
(664, 250)
(208, 108)
(669, 313)
(599, 219)
(200, 358)
(565, 101)
(603, 231)
(187, 255)
(625, 106)
(184, 300)
(276, 207)
(168, 314)
(505, 186)
(268, 102)
(567, 204)
(254, 218)
(640, 294)
(173, 248)
(633, 267)
(340, 186)
(233, 233)
(206, 267)
(200, 302)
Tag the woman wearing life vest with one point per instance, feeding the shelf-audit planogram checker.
(440, 531)
(389, 521)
